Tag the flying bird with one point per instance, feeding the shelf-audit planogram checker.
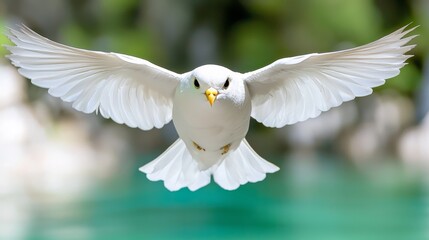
(210, 106)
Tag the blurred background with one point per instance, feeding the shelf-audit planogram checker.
(358, 171)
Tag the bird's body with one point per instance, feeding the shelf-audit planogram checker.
(207, 131)
(210, 106)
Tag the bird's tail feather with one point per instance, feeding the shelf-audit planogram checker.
(242, 166)
(178, 169)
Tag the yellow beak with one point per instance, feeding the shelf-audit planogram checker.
(211, 94)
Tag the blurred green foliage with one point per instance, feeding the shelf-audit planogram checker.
(3, 38)
(246, 34)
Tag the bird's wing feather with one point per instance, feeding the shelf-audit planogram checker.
(124, 88)
(294, 89)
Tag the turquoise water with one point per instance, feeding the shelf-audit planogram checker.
(326, 201)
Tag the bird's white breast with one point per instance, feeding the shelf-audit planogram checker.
(211, 127)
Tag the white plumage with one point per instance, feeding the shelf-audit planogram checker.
(127, 89)
(302, 87)
(210, 106)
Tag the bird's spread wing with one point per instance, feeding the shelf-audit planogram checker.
(127, 89)
(295, 89)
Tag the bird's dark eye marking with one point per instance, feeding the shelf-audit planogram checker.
(226, 84)
(196, 84)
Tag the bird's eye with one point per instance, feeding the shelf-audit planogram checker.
(196, 84)
(226, 84)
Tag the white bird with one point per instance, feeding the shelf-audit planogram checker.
(211, 105)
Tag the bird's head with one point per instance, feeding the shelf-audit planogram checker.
(214, 82)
